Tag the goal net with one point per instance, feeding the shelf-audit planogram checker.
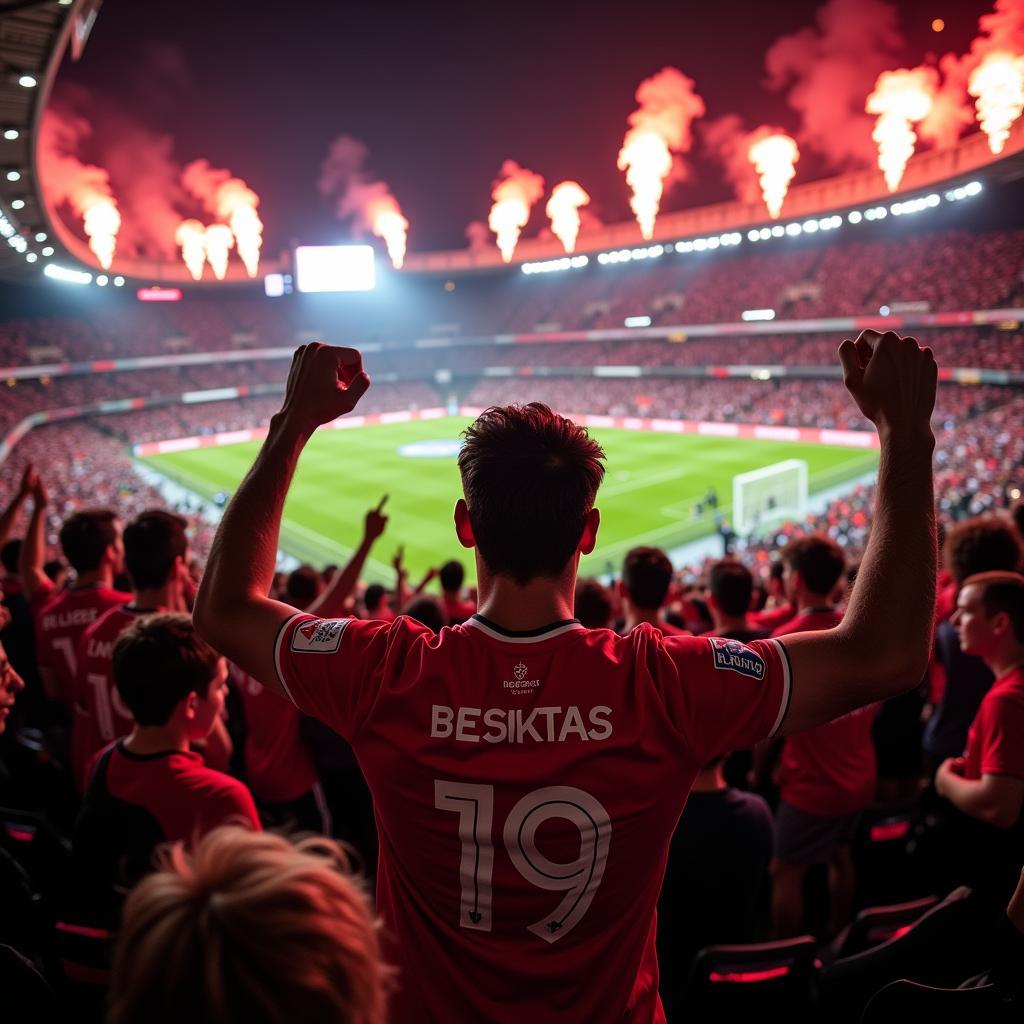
(764, 496)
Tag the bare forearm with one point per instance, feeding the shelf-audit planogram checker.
(33, 553)
(244, 552)
(970, 796)
(892, 607)
(9, 516)
(331, 603)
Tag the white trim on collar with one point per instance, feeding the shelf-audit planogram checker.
(495, 634)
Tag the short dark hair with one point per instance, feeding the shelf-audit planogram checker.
(158, 661)
(647, 575)
(427, 610)
(731, 586)
(302, 586)
(1002, 592)
(373, 596)
(451, 575)
(593, 606)
(530, 477)
(86, 535)
(152, 541)
(983, 544)
(10, 553)
(818, 559)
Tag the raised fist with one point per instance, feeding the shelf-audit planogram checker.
(324, 382)
(892, 380)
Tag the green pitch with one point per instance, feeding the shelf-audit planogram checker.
(651, 485)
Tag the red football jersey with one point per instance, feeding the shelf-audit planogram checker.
(100, 714)
(278, 765)
(829, 770)
(995, 744)
(456, 610)
(526, 787)
(59, 628)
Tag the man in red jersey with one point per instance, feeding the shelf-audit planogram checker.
(730, 586)
(91, 542)
(987, 783)
(527, 772)
(156, 556)
(826, 775)
(646, 577)
(150, 788)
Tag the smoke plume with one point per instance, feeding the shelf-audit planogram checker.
(514, 193)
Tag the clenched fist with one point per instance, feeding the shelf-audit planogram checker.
(324, 382)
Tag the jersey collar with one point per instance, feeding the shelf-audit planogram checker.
(527, 636)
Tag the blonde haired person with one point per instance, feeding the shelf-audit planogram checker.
(249, 927)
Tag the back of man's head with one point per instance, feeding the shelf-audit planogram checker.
(1002, 592)
(374, 597)
(152, 542)
(984, 544)
(731, 586)
(86, 535)
(647, 575)
(158, 661)
(248, 927)
(818, 560)
(9, 555)
(303, 586)
(593, 605)
(451, 575)
(529, 477)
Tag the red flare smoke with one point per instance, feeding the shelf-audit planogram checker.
(563, 209)
(231, 200)
(219, 242)
(514, 193)
(900, 99)
(997, 84)
(659, 127)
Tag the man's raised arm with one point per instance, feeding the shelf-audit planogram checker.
(232, 611)
(881, 648)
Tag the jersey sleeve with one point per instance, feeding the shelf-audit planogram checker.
(1002, 729)
(333, 669)
(724, 695)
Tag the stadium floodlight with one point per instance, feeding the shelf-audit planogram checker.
(47, 250)
(335, 268)
(41, 236)
(768, 495)
(637, 321)
(119, 281)
(810, 226)
(884, 310)
(12, 174)
(30, 257)
(855, 216)
(17, 204)
(778, 231)
(10, 134)
(757, 314)
(102, 280)
(753, 235)
(67, 274)
(972, 188)
(27, 81)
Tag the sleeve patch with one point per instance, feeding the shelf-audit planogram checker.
(733, 656)
(318, 636)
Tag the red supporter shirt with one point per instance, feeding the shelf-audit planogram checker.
(59, 627)
(772, 618)
(457, 610)
(829, 770)
(995, 744)
(278, 765)
(526, 787)
(100, 714)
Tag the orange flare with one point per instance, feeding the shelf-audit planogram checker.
(191, 237)
(900, 99)
(387, 222)
(101, 220)
(646, 159)
(997, 84)
(774, 158)
(563, 209)
(219, 241)
(514, 193)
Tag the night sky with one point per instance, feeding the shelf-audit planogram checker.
(442, 94)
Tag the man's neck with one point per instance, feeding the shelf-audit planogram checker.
(165, 598)
(731, 624)
(634, 616)
(809, 602)
(520, 608)
(101, 577)
(1006, 660)
(155, 739)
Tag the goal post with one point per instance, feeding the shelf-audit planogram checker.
(770, 494)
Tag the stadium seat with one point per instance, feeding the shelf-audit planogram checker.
(884, 855)
(23, 911)
(34, 843)
(85, 956)
(768, 979)
(875, 925)
(903, 1001)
